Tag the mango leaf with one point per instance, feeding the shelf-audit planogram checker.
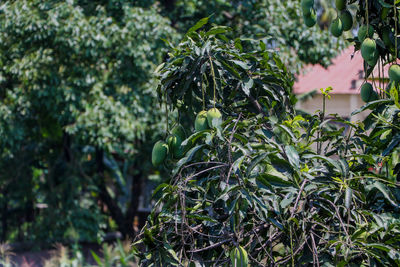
(385, 191)
(198, 25)
(254, 162)
(293, 156)
(371, 105)
(395, 141)
(201, 217)
(270, 179)
(379, 246)
(326, 159)
(172, 253)
(385, 4)
(189, 156)
(241, 64)
(218, 30)
(247, 85)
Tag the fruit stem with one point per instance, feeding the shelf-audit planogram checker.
(213, 75)
(375, 87)
(291, 244)
(166, 109)
(395, 30)
(202, 92)
(379, 77)
(366, 14)
(367, 19)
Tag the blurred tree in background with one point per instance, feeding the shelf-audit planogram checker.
(76, 95)
(78, 107)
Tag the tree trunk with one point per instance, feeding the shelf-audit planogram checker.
(136, 186)
(112, 205)
(4, 215)
(67, 147)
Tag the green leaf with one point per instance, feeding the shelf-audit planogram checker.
(268, 179)
(254, 162)
(385, 4)
(293, 156)
(385, 191)
(198, 25)
(371, 105)
(201, 218)
(394, 95)
(287, 130)
(96, 258)
(241, 64)
(229, 68)
(395, 141)
(189, 156)
(379, 246)
(238, 44)
(160, 187)
(247, 85)
(171, 252)
(326, 159)
(218, 30)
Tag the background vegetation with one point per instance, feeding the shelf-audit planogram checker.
(78, 105)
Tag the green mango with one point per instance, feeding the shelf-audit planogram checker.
(311, 19)
(200, 123)
(336, 27)
(372, 62)
(347, 20)
(239, 257)
(159, 153)
(175, 146)
(368, 49)
(367, 93)
(394, 73)
(179, 131)
(213, 114)
(306, 6)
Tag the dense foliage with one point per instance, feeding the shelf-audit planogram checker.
(74, 89)
(265, 185)
(278, 23)
(78, 105)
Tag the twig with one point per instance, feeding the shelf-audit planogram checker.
(203, 171)
(289, 257)
(315, 251)
(230, 148)
(298, 198)
(263, 247)
(337, 213)
(212, 246)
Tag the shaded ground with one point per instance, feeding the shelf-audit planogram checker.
(38, 258)
(53, 257)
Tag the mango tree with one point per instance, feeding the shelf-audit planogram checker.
(250, 189)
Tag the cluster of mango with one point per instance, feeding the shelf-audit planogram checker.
(343, 21)
(365, 35)
(173, 144)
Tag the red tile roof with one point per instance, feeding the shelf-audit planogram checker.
(344, 75)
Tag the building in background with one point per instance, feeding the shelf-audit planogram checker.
(345, 76)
